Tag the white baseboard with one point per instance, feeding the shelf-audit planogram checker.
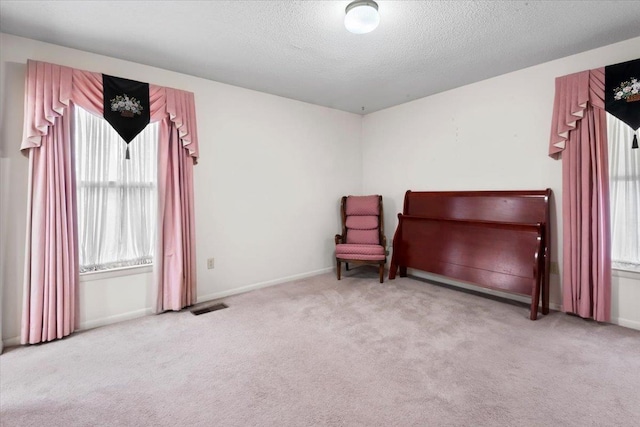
(632, 324)
(104, 321)
(447, 281)
(10, 342)
(554, 306)
(442, 279)
(218, 295)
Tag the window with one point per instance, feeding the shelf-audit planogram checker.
(116, 198)
(624, 185)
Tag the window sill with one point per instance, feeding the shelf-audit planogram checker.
(115, 272)
(626, 274)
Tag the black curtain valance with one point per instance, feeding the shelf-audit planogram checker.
(622, 93)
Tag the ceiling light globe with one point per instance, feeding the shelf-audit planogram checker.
(362, 16)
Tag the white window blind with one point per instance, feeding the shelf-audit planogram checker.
(116, 197)
(624, 185)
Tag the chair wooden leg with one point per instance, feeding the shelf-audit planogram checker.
(346, 266)
(338, 268)
(381, 268)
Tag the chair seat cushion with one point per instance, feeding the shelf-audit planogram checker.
(360, 252)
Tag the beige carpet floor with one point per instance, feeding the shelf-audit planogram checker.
(328, 353)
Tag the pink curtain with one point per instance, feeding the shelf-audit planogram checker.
(579, 136)
(51, 266)
(175, 275)
(51, 259)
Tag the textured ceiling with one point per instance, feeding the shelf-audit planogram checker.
(301, 50)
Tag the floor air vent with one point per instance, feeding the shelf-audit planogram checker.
(202, 310)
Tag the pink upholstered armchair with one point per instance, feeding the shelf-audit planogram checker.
(362, 240)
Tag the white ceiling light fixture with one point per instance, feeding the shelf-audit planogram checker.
(362, 16)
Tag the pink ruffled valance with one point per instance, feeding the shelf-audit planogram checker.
(573, 93)
(50, 88)
(180, 107)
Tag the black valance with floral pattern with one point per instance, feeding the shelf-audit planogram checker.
(622, 93)
(126, 106)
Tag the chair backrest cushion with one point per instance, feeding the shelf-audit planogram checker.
(362, 205)
(365, 222)
(362, 220)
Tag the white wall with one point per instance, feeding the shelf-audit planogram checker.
(491, 135)
(268, 183)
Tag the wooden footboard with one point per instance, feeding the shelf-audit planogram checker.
(498, 240)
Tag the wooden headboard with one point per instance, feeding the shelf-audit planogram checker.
(495, 239)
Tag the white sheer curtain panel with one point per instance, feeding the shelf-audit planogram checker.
(624, 183)
(117, 198)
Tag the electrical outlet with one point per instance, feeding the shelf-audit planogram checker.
(210, 263)
(554, 268)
